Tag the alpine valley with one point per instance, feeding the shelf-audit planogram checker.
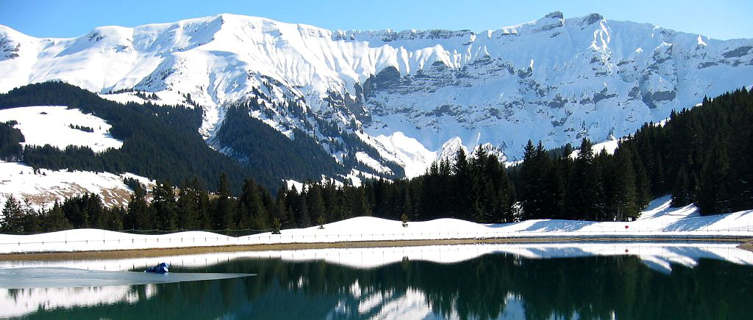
(300, 102)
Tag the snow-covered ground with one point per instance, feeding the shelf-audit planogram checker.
(46, 186)
(658, 221)
(51, 125)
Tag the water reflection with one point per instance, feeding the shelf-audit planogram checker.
(700, 283)
(18, 302)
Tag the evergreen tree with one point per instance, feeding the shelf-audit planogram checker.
(55, 219)
(360, 206)
(713, 195)
(316, 203)
(302, 212)
(462, 187)
(531, 183)
(642, 183)
(13, 216)
(585, 195)
(138, 211)
(624, 198)
(281, 206)
(224, 209)
(187, 206)
(681, 193)
(252, 212)
(164, 205)
(32, 220)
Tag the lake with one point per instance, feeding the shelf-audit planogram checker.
(539, 281)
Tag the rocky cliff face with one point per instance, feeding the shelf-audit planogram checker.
(554, 79)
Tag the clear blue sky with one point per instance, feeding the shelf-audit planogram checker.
(721, 19)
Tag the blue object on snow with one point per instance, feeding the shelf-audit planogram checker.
(160, 268)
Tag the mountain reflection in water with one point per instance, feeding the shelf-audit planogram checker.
(495, 285)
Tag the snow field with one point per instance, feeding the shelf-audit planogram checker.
(43, 125)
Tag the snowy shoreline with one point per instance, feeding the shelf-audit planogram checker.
(658, 222)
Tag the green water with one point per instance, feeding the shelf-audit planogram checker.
(495, 286)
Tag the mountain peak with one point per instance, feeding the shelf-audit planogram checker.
(555, 15)
(551, 79)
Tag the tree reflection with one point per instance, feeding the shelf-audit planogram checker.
(586, 288)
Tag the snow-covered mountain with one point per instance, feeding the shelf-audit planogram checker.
(404, 94)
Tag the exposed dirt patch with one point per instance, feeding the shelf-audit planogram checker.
(746, 245)
(143, 253)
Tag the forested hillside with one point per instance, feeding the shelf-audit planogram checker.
(163, 142)
(703, 155)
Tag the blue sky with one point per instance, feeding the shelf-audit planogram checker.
(722, 19)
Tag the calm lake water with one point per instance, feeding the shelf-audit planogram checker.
(490, 286)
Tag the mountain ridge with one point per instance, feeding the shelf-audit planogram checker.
(502, 87)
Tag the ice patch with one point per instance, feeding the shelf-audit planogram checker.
(64, 277)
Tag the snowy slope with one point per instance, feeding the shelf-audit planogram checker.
(52, 125)
(42, 125)
(43, 188)
(553, 79)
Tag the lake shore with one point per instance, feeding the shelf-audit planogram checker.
(746, 243)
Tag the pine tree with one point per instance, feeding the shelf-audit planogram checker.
(316, 204)
(32, 220)
(642, 183)
(359, 206)
(224, 210)
(164, 205)
(585, 198)
(681, 190)
(188, 206)
(462, 188)
(204, 210)
(304, 217)
(138, 210)
(281, 206)
(531, 182)
(625, 204)
(12, 219)
(276, 225)
(55, 219)
(714, 196)
(252, 211)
